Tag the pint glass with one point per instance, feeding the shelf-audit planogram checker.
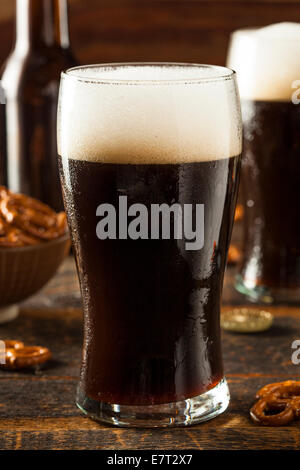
(267, 62)
(149, 157)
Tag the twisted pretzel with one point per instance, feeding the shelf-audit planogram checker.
(26, 221)
(282, 398)
(18, 356)
(286, 389)
(12, 237)
(12, 344)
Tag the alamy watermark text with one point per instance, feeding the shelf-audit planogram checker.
(178, 221)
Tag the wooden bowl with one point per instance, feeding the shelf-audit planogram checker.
(25, 270)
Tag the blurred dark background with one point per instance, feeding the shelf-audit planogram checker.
(157, 30)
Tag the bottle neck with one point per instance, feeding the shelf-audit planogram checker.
(42, 23)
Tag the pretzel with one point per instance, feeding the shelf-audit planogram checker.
(286, 389)
(12, 344)
(285, 416)
(27, 221)
(281, 397)
(13, 237)
(18, 356)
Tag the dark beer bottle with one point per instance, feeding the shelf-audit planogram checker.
(30, 79)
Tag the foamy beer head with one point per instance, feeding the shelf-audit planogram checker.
(149, 114)
(266, 61)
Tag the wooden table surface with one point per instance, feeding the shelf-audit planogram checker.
(37, 409)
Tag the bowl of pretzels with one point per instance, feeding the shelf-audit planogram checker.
(34, 240)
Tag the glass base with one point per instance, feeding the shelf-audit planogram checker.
(267, 295)
(182, 413)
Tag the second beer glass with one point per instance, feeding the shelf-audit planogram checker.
(267, 62)
(149, 157)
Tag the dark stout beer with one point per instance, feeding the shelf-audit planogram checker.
(267, 65)
(30, 77)
(271, 184)
(154, 135)
(151, 306)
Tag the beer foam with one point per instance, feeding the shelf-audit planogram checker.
(149, 114)
(266, 61)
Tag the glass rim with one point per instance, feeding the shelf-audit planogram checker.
(224, 73)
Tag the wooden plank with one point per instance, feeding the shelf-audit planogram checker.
(37, 398)
(185, 31)
(267, 353)
(162, 30)
(45, 397)
(60, 438)
(232, 430)
(59, 330)
(7, 7)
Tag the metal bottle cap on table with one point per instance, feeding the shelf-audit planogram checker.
(246, 320)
